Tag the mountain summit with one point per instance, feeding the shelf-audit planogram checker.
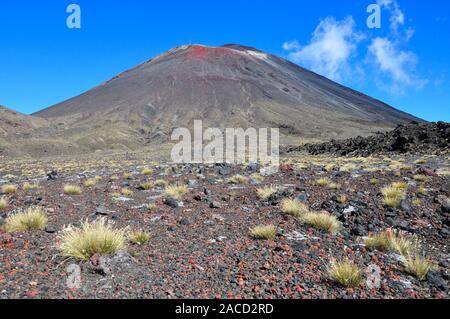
(227, 86)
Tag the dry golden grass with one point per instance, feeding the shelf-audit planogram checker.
(127, 175)
(389, 240)
(257, 177)
(342, 199)
(147, 186)
(176, 191)
(29, 186)
(90, 182)
(147, 171)
(161, 183)
(151, 208)
(31, 218)
(349, 167)
(323, 182)
(126, 191)
(329, 167)
(323, 221)
(265, 192)
(264, 232)
(422, 191)
(238, 179)
(8, 189)
(346, 273)
(97, 237)
(293, 207)
(139, 237)
(72, 190)
(394, 194)
(420, 178)
(418, 266)
(417, 202)
(3, 203)
(374, 181)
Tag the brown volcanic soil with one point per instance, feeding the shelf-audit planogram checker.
(203, 252)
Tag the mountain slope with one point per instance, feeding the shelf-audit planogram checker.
(229, 86)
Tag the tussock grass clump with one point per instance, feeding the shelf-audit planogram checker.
(72, 190)
(147, 171)
(238, 179)
(139, 237)
(323, 221)
(417, 202)
(342, 199)
(257, 177)
(265, 192)
(90, 182)
(147, 186)
(3, 203)
(127, 175)
(329, 167)
(346, 273)
(349, 167)
(422, 191)
(394, 194)
(31, 218)
(294, 207)
(418, 266)
(126, 191)
(266, 232)
(8, 189)
(389, 240)
(29, 186)
(161, 183)
(420, 178)
(323, 182)
(176, 191)
(151, 207)
(374, 181)
(97, 237)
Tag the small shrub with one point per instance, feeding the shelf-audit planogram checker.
(264, 232)
(418, 266)
(97, 237)
(238, 179)
(8, 189)
(293, 207)
(176, 191)
(346, 273)
(31, 218)
(139, 237)
(323, 221)
(72, 190)
(3, 203)
(266, 192)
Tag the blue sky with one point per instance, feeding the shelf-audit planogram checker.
(404, 63)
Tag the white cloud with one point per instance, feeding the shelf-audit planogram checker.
(398, 66)
(332, 45)
(397, 17)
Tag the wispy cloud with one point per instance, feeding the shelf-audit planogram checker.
(398, 66)
(333, 43)
(337, 50)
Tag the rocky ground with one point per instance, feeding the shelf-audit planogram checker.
(201, 247)
(414, 138)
